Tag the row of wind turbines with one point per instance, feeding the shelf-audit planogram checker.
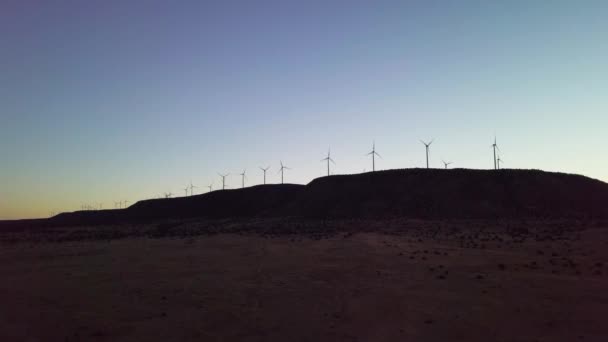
(99, 206)
(427, 146)
(373, 153)
(189, 189)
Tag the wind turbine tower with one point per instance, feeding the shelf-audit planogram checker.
(192, 187)
(223, 180)
(374, 154)
(328, 159)
(243, 178)
(264, 170)
(446, 164)
(427, 145)
(495, 147)
(283, 167)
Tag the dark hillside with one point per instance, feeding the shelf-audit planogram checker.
(454, 193)
(248, 202)
(411, 193)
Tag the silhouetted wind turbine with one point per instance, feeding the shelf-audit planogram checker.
(283, 167)
(210, 186)
(192, 187)
(243, 178)
(427, 145)
(186, 190)
(446, 163)
(264, 170)
(328, 159)
(495, 147)
(374, 154)
(168, 195)
(498, 161)
(223, 180)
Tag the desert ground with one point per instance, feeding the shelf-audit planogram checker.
(293, 280)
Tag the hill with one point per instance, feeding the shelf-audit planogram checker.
(248, 202)
(454, 193)
(411, 193)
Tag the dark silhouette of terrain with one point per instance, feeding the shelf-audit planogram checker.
(454, 193)
(411, 193)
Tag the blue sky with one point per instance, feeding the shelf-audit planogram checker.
(103, 101)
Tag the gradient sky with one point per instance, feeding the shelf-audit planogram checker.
(102, 101)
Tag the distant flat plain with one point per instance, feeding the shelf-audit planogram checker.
(292, 280)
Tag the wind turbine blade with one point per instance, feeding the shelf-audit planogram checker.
(378, 154)
(332, 160)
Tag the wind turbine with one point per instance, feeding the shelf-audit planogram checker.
(498, 161)
(427, 145)
(374, 154)
(495, 147)
(243, 178)
(264, 170)
(186, 190)
(283, 167)
(328, 159)
(223, 180)
(168, 195)
(126, 203)
(446, 164)
(192, 187)
(210, 186)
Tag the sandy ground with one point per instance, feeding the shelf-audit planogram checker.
(411, 285)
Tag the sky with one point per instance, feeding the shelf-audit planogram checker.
(106, 101)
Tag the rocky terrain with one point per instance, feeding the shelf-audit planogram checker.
(272, 279)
